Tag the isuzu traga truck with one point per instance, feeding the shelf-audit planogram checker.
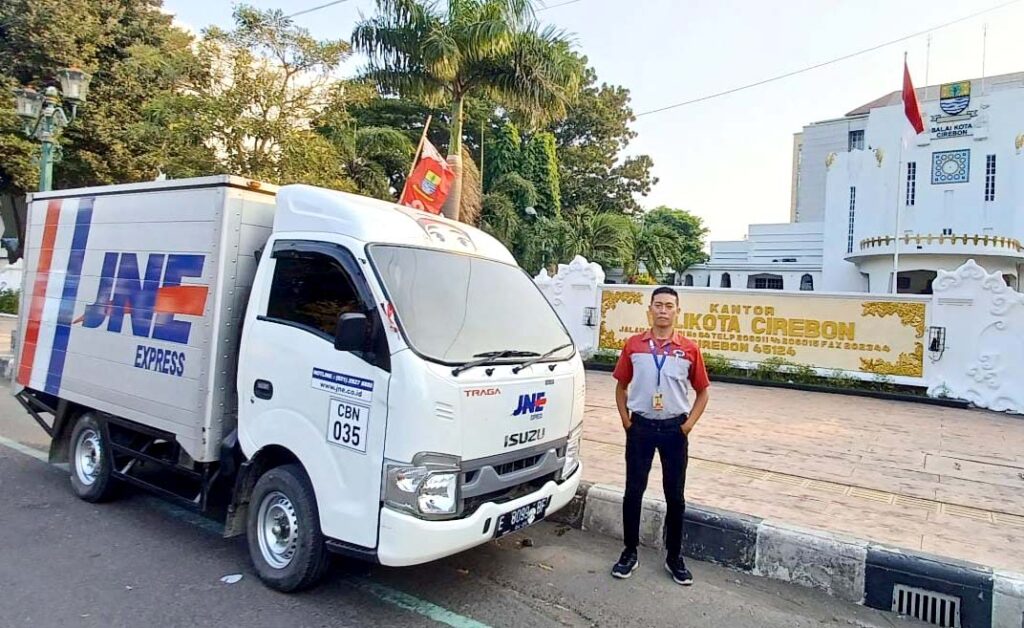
(321, 371)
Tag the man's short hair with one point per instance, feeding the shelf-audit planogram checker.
(665, 290)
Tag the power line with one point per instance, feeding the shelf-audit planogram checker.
(316, 8)
(825, 63)
(331, 4)
(560, 4)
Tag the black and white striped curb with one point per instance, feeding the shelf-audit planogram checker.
(940, 590)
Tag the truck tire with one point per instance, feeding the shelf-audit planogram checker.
(90, 461)
(285, 543)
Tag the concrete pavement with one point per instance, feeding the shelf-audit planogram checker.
(940, 480)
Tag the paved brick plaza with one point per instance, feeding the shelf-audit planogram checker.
(941, 480)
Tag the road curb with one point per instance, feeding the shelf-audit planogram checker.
(851, 569)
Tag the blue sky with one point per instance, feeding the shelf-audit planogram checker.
(729, 159)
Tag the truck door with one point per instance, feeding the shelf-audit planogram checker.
(328, 407)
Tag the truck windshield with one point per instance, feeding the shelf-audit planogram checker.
(456, 308)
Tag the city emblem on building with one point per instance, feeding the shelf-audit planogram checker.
(954, 98)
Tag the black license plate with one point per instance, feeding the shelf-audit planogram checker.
(521, 517)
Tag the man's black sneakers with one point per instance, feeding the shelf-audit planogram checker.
(627, 564)
(679, 572)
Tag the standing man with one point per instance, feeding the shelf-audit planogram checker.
(656, 372)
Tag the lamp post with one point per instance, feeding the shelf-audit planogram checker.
(43, 117)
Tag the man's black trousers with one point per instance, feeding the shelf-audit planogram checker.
(642, 439)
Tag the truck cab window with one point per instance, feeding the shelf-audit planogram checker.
(311, 290)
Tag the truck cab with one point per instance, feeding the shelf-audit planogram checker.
(429, 390)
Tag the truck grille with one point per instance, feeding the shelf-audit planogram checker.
(517, 465)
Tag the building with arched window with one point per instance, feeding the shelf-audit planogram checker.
(958, 188)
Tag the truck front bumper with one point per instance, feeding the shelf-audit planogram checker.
(406, 540)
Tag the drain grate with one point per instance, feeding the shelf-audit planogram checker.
(928, 606)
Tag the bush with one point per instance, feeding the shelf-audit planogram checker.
(720, 365)
(770, 369)
(9, 301)
(803, 374)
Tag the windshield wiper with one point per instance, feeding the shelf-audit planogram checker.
(490, 357)
(537, 359)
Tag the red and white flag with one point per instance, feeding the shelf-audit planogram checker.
(431, 179)
(910, 105)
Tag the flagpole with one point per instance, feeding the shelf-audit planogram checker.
(899, 226)
(415, 157)
(984, 47)
(899, 215)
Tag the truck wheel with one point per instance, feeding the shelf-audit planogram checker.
(285, 542)
(91, 476)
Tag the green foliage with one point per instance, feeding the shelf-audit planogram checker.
(135, 55)
(503, 154)
(500, 218)
(689, 232)
(518, 190)
(600, 238)
(803, 374)
(717, 364)
(9, 301)
(541, 166)
(495, 49)
(263, 83)
(770, 368)
(590, 139)
(650, 245)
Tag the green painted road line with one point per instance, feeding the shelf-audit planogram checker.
(24, 449)
(416, 605)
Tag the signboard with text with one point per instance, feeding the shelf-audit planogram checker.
(868, 334)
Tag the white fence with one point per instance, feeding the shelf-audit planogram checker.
(969, 335)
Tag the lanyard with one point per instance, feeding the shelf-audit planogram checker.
(659, 364)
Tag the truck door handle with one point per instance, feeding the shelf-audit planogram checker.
(263, 389)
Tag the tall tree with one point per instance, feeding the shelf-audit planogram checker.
(504, 154)
(492, 48)
(267, 80)
(134, 53)
(601, 238)
(650, 245)
(689, 232)
(541, 166)
(590, 140)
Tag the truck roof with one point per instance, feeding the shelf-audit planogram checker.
(307, 208)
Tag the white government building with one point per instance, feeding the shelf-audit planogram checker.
(959, 187)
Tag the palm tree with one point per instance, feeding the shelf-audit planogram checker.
(601, 238)
(494, 48)
(649, 244)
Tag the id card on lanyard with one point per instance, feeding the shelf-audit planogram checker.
(658, 401)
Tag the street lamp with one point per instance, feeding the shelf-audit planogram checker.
(43, 118)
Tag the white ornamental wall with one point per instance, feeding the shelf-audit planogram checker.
(983, 358)
(572, 292)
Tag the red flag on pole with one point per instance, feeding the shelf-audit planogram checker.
(910, 105)
(428, 185)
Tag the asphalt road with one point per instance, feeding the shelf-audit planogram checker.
(141, 562)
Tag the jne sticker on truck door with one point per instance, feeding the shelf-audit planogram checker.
(348, 413)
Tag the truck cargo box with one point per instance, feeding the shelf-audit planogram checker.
(133, 297)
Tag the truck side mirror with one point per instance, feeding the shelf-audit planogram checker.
(350, 334)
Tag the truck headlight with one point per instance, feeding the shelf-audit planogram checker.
(427, 488)
(572, 452)
(439, 494)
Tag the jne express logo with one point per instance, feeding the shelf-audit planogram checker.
(151, 299)
(531, 404)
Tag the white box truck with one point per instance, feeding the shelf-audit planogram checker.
(322, 371)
